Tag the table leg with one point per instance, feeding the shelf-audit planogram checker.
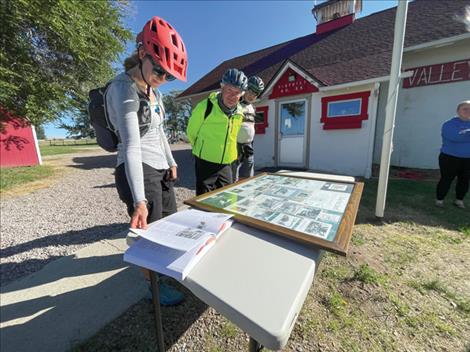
(254, 345)
(157, 310)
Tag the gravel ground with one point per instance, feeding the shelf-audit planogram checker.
(80, 208)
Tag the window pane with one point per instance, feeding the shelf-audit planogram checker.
(259, 117)
(344, 108)
(293, 118)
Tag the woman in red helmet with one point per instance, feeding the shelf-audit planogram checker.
(145, 165)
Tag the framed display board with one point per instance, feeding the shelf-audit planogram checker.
(313, 211)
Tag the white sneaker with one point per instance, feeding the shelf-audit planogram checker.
(459, 204)
(439, 203)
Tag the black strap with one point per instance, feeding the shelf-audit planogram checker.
(208, 108)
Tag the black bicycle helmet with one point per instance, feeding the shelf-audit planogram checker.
(255, 84)
(235, 78)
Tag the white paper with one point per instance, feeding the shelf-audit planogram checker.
(186, 229)
(165, 260)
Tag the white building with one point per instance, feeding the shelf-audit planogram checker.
(324, 105)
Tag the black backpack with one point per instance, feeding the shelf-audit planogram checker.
(107, 136)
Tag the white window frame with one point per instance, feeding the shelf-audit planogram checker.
(344, 101)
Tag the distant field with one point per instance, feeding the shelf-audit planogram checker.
(63, 149)
(63, 142)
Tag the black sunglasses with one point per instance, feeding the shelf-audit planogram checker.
(160, 71)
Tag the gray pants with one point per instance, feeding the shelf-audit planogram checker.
(244, 166)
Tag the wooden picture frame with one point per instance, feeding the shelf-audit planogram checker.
(316, 212)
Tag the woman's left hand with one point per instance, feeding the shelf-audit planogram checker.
(173, 173)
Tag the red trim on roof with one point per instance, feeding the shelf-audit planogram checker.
(335, 24)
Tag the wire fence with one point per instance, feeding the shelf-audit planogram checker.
(65, 141)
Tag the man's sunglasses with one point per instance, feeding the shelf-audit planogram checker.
(160, 71)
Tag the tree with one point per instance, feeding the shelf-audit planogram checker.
(54, 51)
(295, 109)
(80, 126)
(40, 133)
(177, 114)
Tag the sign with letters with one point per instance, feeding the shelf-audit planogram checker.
(291, 83)
(448, 72)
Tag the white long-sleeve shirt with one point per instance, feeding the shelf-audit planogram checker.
(123, 102)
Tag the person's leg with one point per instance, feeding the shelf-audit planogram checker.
(161, 202)
(224, 176)
(169, 296)
(153, 192)
(463, 179)
(235, 169)
(123, 189)
(247, 167)
(448, 168)
(206, 176)
(168, 198)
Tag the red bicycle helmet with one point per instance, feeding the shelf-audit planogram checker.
(163, 43)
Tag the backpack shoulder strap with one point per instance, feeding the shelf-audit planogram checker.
(108, 121)
(208, 108)
(159, 97)
(206, 113)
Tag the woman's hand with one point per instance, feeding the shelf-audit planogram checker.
(173, 173)
(139, 217)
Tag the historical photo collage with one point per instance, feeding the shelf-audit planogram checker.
(310, 206)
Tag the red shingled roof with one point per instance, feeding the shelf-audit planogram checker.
(356, 52)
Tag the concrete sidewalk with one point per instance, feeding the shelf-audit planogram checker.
(70, 299)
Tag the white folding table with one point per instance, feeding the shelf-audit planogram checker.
(255, 279)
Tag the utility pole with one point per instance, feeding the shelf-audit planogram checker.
(391, 107)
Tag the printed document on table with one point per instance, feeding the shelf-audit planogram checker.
(165, 260)
(186, 229)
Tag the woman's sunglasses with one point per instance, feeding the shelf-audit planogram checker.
(160, 71)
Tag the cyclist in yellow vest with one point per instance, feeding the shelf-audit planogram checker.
(212, 131)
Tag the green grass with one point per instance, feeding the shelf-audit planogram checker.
(229, 330)
(437, 286)
(59, 149)
(11, 177)
(368, 275)
(337, 304)
(403, 285)
(413, 197)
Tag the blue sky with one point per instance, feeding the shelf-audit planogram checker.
(215, 31)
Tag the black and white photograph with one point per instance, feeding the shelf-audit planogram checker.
(191, 233)
(308, 212)
(329, 217)
(286, 220)
(263, 214)
(318, 229)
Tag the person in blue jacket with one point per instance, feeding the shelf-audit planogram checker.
(454, 159)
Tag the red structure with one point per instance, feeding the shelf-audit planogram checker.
(345, 121)
(291, 83)
(18, 143)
